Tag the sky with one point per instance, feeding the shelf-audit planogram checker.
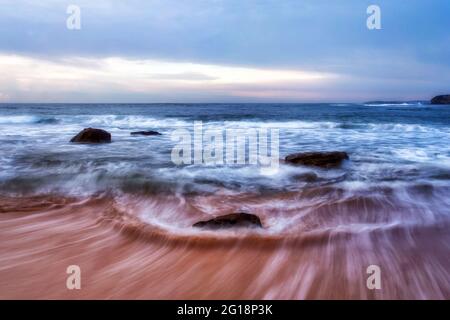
(223, 51)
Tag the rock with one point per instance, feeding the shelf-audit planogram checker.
(317, 159)
(146, 133)
(92, 135)
(444, 99)
(232, 220)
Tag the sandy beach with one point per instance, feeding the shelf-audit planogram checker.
(121, 259)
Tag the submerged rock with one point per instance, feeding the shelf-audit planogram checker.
(232, 220)
(444, 99)
(92, 135)
(146, 133)
(317, 159)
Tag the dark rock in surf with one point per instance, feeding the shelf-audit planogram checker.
(92, 135)
(145, 133)
(232, 220)
(444, 99)
(317, 159)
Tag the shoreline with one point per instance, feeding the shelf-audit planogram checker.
(41, 236)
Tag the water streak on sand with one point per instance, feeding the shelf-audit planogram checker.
(123, 257)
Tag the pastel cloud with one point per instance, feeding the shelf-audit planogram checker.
(224, 50)
(36, 79)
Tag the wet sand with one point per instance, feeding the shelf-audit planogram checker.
(121, 258)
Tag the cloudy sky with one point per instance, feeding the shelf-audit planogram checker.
(223, 51)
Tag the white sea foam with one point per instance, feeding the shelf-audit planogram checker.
(400, 104)
(25, 119)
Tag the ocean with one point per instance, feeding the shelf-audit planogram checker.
(387, 205)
